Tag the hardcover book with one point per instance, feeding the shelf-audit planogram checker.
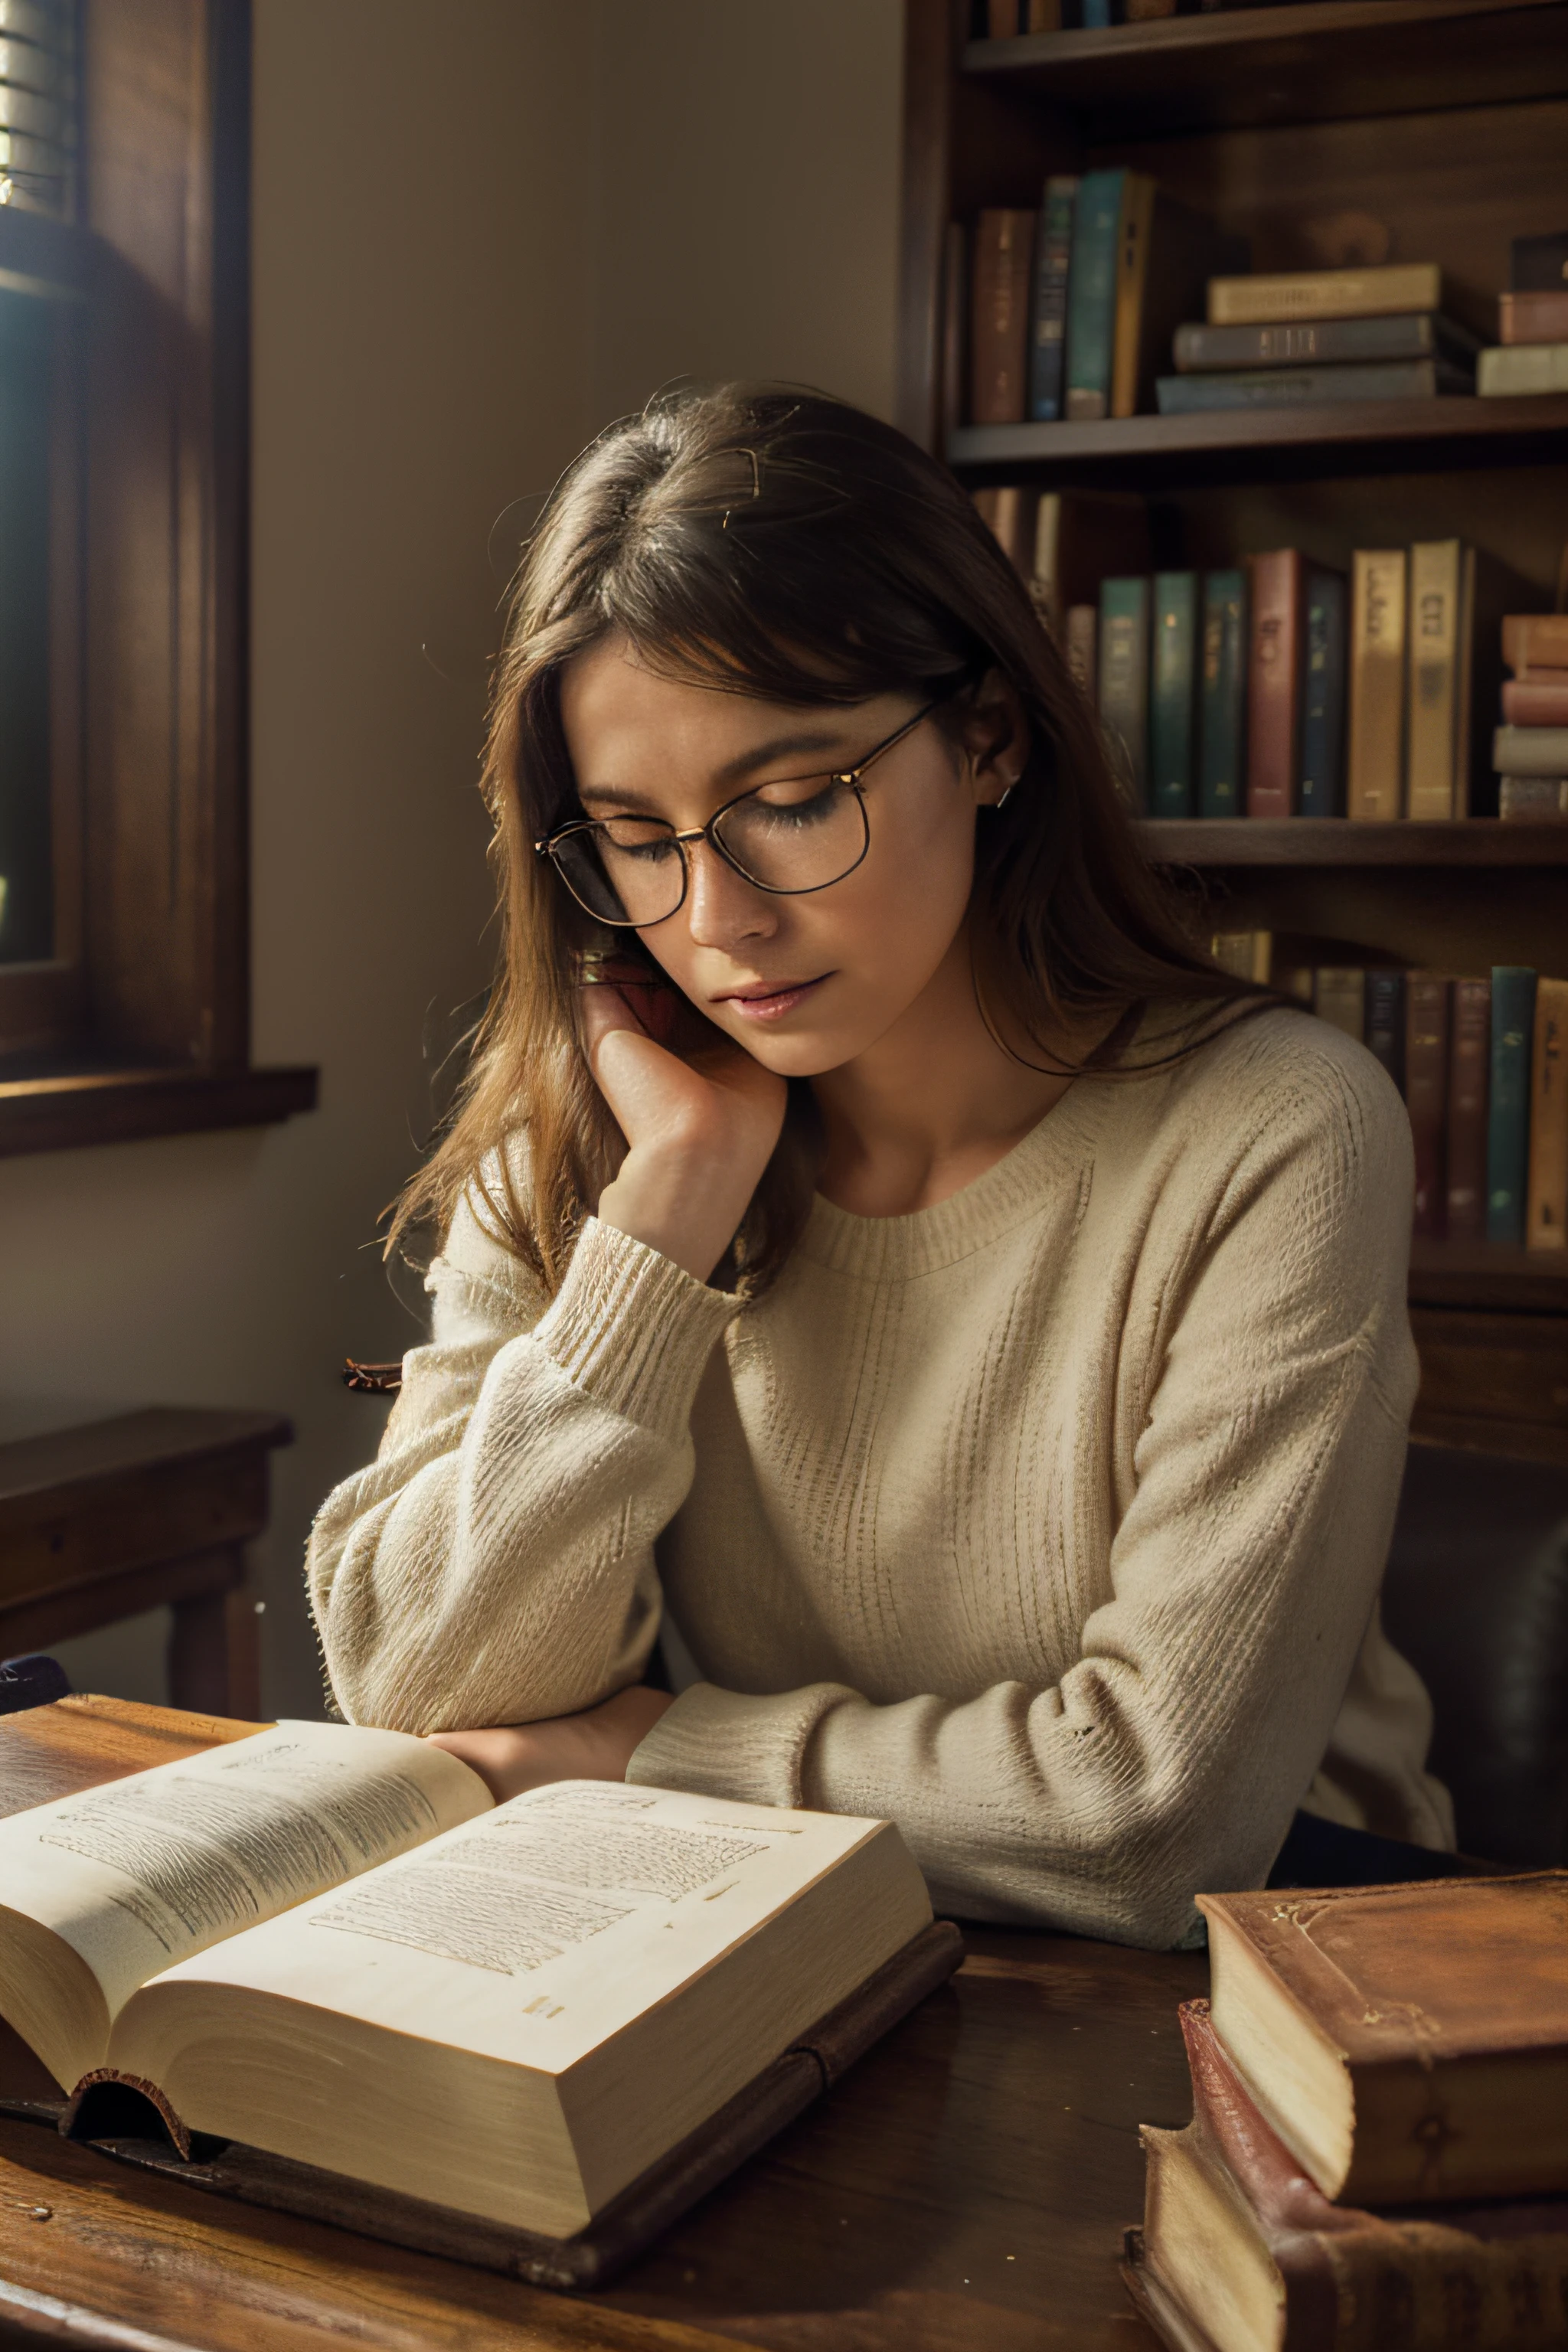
(1323, 699)
(1124, 683)
(1195, 395)
(1531, 798)
(1048, 314)
(1540, 701)
(1426, 1016)
(1546, 1206)
(1274, 682)
(1531, 751)
(1436, 746)
(1521, 371)
(1171, 695)
(1326, 342)
(1091, 293)
(1533, 318)
(1532, 642)
(1383, 1033)
(1325, 294)
(1222, 741)
(1507, 1119)
(1374, 751)
(1003, 251)
(1338, 997)
(1469, 1065)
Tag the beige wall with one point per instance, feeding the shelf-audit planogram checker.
(470, 251)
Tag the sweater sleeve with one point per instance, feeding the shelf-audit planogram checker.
(1271, 1409)
(495, 1562)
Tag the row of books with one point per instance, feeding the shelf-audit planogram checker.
(1530, 749)
(1376, 2160)
(1483, 1067)
(1532, 323)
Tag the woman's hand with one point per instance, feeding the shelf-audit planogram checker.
(699, 1131)
(597, 1745)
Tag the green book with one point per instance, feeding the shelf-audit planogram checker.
(1507, 1119)
(1171, 693)
(1222, 732)
(1124, 683)
(1091, 293)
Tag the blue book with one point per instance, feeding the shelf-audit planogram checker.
(1171, 693)
(1097, 17)
(1222, 732)
(1507, 1119)
(1048, 310)
(1091, 293)
(1323, 699)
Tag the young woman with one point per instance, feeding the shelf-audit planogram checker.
(877, 1241)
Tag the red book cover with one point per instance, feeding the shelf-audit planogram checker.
(1426, 1093)
(1274, 682)
(1539, 701)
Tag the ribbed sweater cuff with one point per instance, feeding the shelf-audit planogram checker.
(719, 1743)
(633, 1328)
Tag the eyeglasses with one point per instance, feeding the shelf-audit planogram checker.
(798, 834)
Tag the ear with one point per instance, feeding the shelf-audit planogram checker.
(993, 739)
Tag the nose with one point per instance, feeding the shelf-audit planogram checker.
(722, 909)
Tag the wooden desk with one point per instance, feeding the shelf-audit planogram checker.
(100, 1522)
(964, 2187)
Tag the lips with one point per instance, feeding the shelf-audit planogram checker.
(770, 1005)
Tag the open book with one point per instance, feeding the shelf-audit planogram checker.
(328, 1943)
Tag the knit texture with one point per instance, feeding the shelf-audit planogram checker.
(1048, 1522)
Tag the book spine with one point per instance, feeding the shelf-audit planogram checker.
(1323, 698)
(1469, 1058)
(1135, 229)
(1259, 302)
(1091, 293)
(1097, 17)
(1274, 684)
(1426, 1093)
(1385, 1028)
(1195, 395)
(1124, 683)
(1002, 250)
(1531, 702)
(1223, 733)
(1171, 695)
(1529, 799)
(1521, 369)
(1507, 1119)
(1047, 323)
(1435, 567)
(1338, 997)
(1305, 342)
(1083, 647)
(1531, 751)
(1533, 318)
(1375, 739)
(1546, 1204)
(1535, 641)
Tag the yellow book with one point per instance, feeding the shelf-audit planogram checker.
(1546, 1199)
(1433, 753)
(1246, 955)
(1133, 232)
(1374, 752)
(1338, 997)
(1397, 287)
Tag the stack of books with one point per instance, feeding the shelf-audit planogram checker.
(1378, 2154)
(1482, 1064)
(1311, 335)
(1532, 323)
(1530, 749)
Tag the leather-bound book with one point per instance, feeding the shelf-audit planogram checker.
(1407, 2044)
(1546, 1205)
(1048, 313)
(1222, 733)
(1239, 2247)
(999, 333)
(1374, 759)
(1508, 1108)
(1469, 1061)
(1275, 678)
(1171, 695)
(1426, 1093)
(1323, 698)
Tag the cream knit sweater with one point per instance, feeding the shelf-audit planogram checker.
(1048, 1522)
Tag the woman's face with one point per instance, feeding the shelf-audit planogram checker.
(806, 983)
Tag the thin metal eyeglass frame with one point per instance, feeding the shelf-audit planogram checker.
(546, 846)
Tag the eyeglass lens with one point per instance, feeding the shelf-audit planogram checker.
(786, 836)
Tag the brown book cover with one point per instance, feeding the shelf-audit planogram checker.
(1426, 1093)
(1004, 257)
(1540, 701)
(1235, 2231)
(1469, 1067)
(1546, 1201)
(1375, 743)
(1405, 2043)
(1538, 318)
(1275, 672)
(1535, 641)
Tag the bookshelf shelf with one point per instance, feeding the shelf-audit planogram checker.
(1251, 68)
(1476, 1274)
(1338, 438)
(1336, 841)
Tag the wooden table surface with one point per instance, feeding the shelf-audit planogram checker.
(966, 2186)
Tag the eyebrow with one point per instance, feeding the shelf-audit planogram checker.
(733, 772)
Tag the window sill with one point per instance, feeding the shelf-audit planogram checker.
(62, 1112)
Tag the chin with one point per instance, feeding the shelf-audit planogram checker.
(805, 1056)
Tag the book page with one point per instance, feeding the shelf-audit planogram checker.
(148, 1870)
(533, 1933)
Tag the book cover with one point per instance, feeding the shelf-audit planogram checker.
(1222, 738)
(1048, 315)
(1531, 751)
(1338, 997)
(1274, 682)
(1546, 1199)
(1507, 1119)
(1434, 780)
(1172, 693)
(1323, 699)
(1535, 641)
(1530, 799)
(1003, 251)
(1268, 300)
(1427, 1017)
(1470, 1063)
(1383, 1033)
(1539, 265)
(1124, 683)
(1091, 293)
(1195, 395)
(1533, 318)
(1522, 370)
(1535, 702)
(1375, 746)
(1165, 256)
(1083, 648)
(1325, 342)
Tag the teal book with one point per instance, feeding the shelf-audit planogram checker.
(1171, 680)
(1507, 1119)
(1091, 293)
(1048, 310)
(1323, 699)
(1124, 684)
(1222, 725)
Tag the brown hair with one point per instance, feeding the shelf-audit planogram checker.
(774, 541)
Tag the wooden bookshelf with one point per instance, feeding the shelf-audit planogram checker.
(1329, 132)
